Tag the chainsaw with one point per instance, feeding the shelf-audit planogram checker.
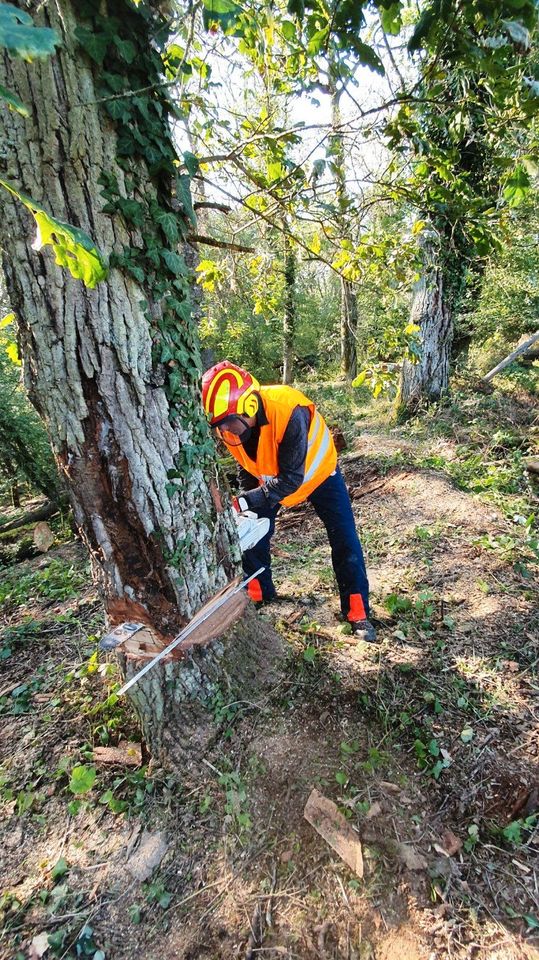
(251, 529)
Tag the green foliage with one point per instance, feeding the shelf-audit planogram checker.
(14, 102)
(72, 247)
(82, 779)
(58, 580)
(25, 453)
(507, 304)
(21, 38)
(517, 831)
(236, 806)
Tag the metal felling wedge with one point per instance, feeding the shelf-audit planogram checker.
(323, 815)
(124, 631)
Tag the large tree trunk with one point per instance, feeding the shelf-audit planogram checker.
(428, 379)
(289, 320)
(114, 371)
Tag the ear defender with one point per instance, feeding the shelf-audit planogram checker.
(251, 404)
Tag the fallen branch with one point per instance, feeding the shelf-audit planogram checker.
(42, 513)
(512, 356)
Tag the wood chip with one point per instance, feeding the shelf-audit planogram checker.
(451, 844)
(410, 857)
(374, 811)
(367, 488)
(323, 815)
(43, 536)
(38, 946)
(126, 754)
(147, 856)
(390, 787)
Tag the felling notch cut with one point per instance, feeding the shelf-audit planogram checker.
(137, 640)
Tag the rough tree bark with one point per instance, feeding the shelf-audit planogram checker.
(428, 379)
(100, 364)
(289, 320)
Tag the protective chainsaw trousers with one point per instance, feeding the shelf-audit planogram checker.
(331, 502)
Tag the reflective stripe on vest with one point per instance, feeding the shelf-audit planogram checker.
(322, 451)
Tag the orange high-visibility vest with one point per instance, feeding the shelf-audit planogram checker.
(278, 403)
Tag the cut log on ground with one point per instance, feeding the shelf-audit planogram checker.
(42, 513)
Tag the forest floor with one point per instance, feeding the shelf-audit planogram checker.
(428, 741)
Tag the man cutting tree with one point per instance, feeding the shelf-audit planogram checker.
(287, 455)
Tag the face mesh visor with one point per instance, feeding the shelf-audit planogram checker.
(226, 430)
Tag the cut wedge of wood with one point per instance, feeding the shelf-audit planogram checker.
(324, 816)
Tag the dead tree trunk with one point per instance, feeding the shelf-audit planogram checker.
(428, 379)
(114, 371)
(289, 320)
(349, 317)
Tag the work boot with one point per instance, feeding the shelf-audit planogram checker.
(364, 630)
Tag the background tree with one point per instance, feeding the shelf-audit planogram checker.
(465, 152)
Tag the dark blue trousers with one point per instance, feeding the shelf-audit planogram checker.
(331, 502)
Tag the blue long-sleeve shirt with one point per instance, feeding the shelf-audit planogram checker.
(291, 458)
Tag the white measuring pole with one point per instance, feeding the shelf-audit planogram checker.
(187, 631)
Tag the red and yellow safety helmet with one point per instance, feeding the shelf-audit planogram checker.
(227, 391)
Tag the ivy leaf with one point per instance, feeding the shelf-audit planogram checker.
(72, 247)
(60, 869)
(94, 44)
(317, 41)
(174, 262)
(183, 191)
(516, 186)
(82, 779)
(169, 225)
(21, 38)
(296, 8)
(222, 12)
(288, 30)
(422, 29)
(191, 162)
(126, 49)
(368, 57)
(391, 18)
(13, 102)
